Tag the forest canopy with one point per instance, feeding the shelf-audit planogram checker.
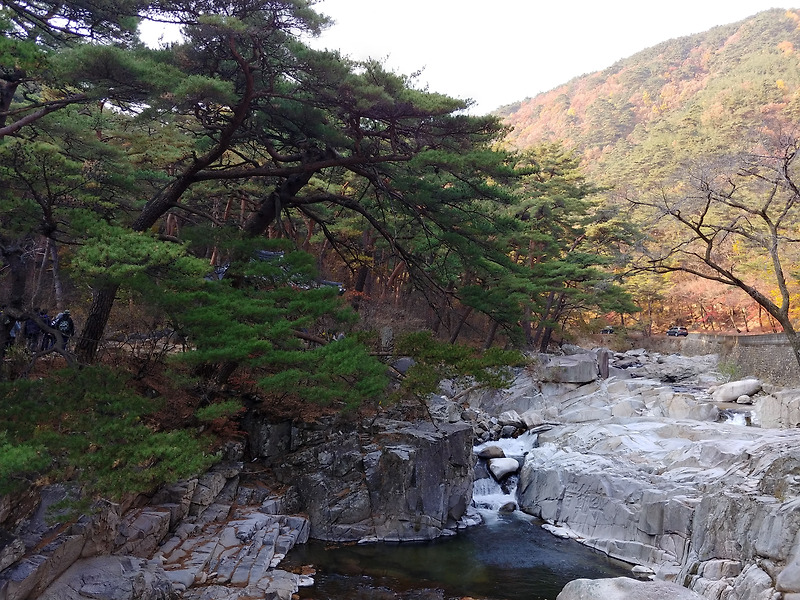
(162, 177)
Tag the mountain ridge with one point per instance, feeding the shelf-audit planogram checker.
(703, 93)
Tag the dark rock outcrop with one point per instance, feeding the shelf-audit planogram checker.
(383, 480)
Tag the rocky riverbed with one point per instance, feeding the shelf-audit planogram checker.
(636, 454)
(658, 475)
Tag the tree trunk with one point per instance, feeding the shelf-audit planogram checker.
(492, 333)
(225, 371)
(361, 280)
(398, 268)
(37, 290)
(58, 289)
(547, 334)
(537, 337)
(96, 320)
(527, 329)
(461, 322)
(791, 335)
(8, 89)
(13, 257)
(554, 318)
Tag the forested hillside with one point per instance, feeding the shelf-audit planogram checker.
(687, 97)
(695, 139)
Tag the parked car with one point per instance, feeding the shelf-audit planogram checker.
(677, 331)
(607, 330)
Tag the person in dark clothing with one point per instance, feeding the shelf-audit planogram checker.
(33, 332)
(63, 323)
(48, 339)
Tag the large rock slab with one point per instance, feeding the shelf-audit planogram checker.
(779, 409)
(112, 578)
(399, 481)
(576, 368)
(623, 588)
(659, 492)
(730, 392)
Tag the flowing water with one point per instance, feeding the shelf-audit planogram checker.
(509, 557)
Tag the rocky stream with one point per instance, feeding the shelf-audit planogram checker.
(690, 486)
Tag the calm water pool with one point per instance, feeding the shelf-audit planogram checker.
(510, 558)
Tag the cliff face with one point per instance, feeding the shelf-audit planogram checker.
(388, 480)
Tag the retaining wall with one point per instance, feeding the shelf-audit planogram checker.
(768, 357)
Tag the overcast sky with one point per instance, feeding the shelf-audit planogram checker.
(496, 52)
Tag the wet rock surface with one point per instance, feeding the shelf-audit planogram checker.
(621, 588)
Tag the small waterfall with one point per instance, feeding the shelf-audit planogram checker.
(490, 496)
(736, 417)
(518, 446)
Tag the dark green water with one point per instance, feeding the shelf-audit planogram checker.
(512, 558)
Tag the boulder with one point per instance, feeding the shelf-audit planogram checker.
(685, 406)
(729, 392)
(508, 508)
(501, 468)
(532, 418)
(781, 408)
(576, 368)
(624, 588)
(510, 417)
(491, 452)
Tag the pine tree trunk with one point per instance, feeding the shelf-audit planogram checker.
(492, 333)
(537, 337)
(547, 335)
(96, 320)
(58, 289)
(527, 329)
(361, 280)
(225, 371)
(37, 290)
(461, 322)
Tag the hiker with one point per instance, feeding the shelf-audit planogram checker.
(48, 339)
(33, 331)
(63, 323)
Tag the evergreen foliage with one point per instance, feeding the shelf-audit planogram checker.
(212, 184)
(435, 361)
(88, 425)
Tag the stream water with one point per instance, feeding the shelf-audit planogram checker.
(511, 558)
(508, 557)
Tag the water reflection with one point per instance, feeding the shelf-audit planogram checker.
(509, 559)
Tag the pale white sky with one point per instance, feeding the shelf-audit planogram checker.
(496, 52)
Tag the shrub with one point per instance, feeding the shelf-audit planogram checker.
(89, 425)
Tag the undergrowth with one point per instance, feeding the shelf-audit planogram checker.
(89, 426)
